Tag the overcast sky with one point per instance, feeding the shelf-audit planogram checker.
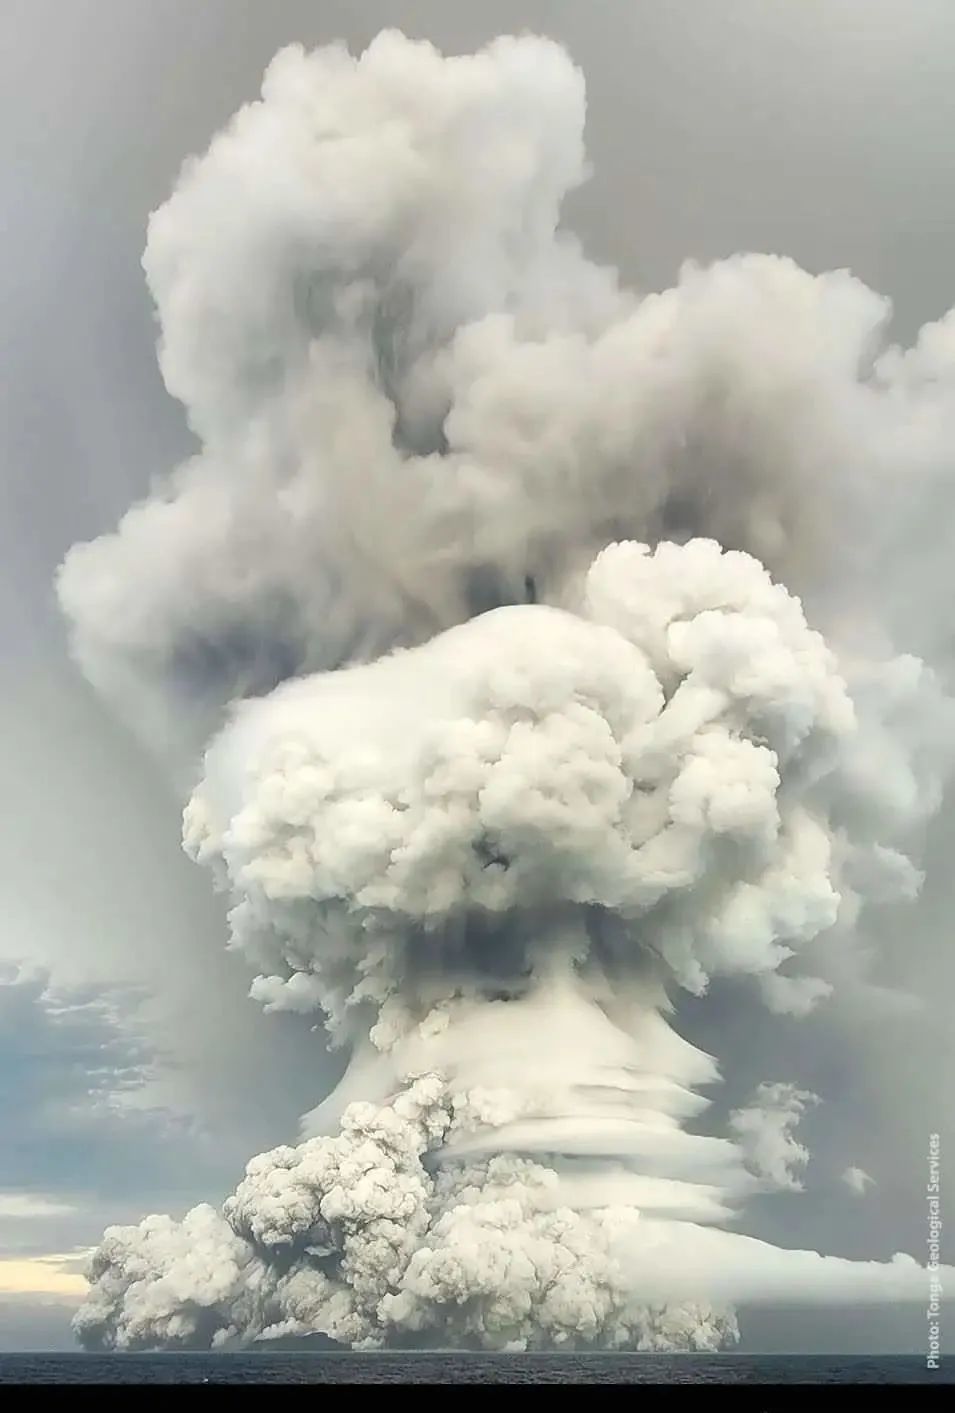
(134, 1074)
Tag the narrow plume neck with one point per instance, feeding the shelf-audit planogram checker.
(588, 1079)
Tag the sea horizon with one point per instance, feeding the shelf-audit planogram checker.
(430, 1366)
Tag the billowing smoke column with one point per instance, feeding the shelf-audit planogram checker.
(477, 586)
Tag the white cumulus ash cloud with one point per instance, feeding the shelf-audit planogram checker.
(764, 1128)
(858, 1181)
(530, 636)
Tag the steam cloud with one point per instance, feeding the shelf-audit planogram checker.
(487, 596)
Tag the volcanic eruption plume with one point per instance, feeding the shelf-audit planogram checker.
(486, 607)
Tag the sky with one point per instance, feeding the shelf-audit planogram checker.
(135, 1075)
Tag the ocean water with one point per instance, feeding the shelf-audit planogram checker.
(461, 1368)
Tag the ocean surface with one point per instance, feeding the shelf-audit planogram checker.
(460, 1368)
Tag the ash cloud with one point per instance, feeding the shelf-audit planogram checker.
(858, 1181)
(764, 1129)
(546, 652)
